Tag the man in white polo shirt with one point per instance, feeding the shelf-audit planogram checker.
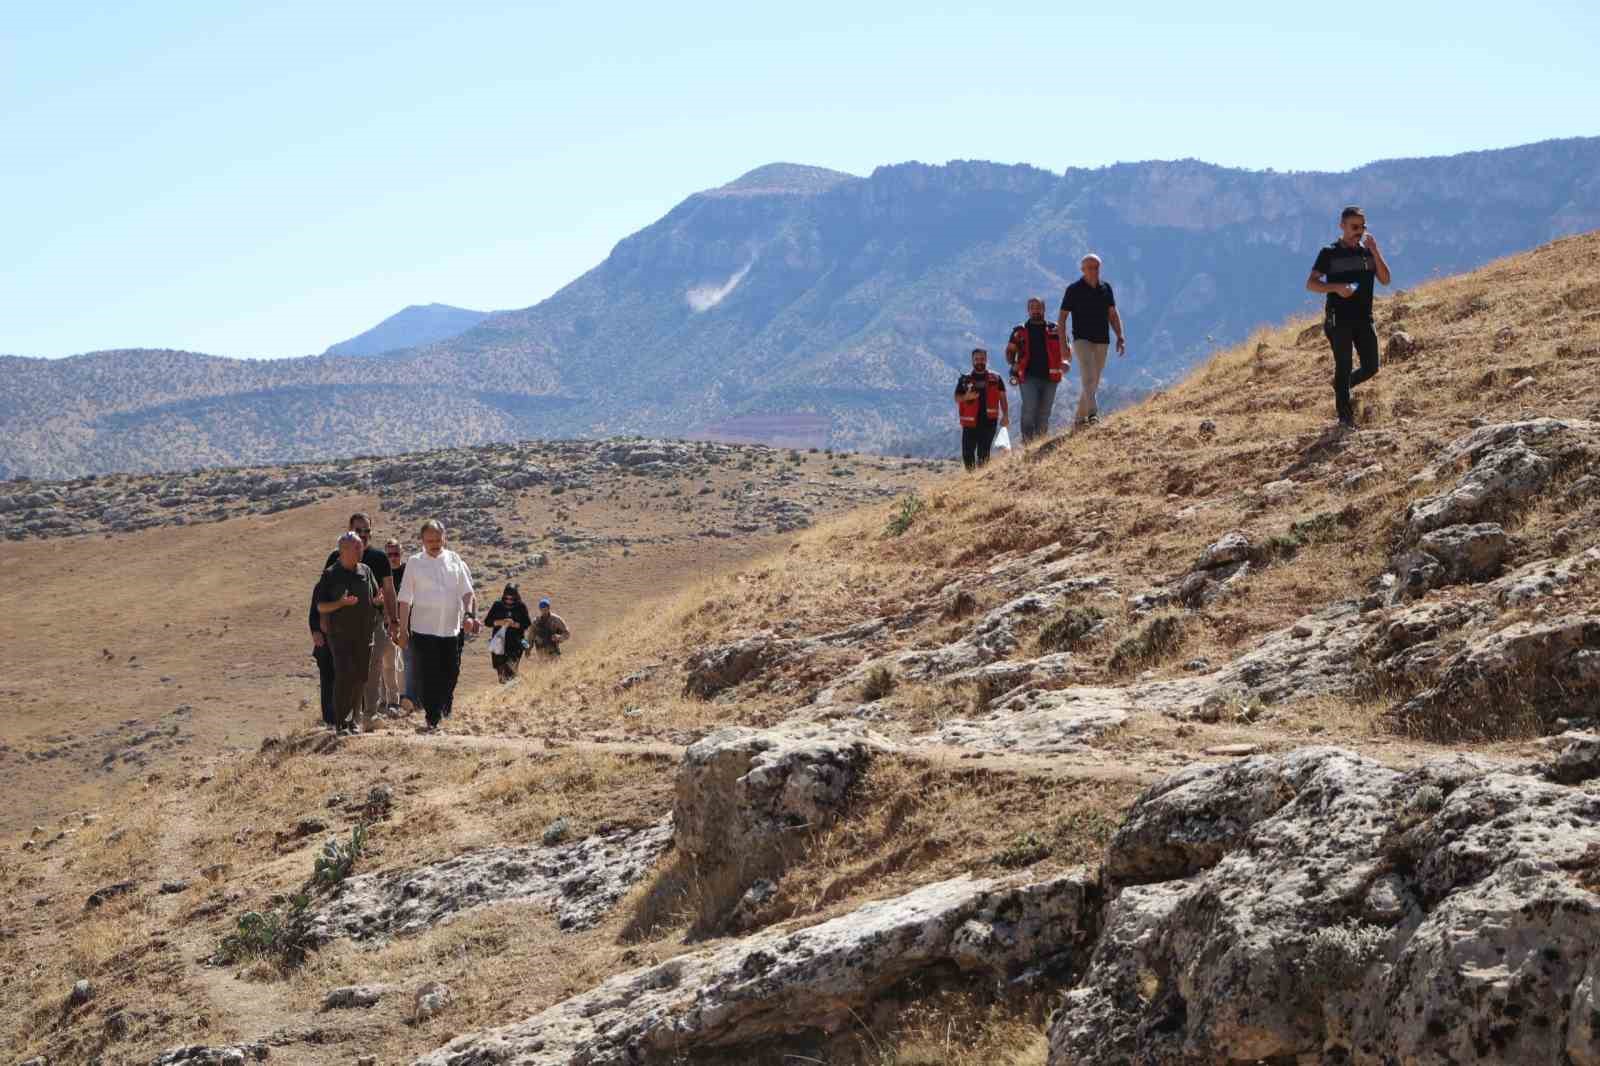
(436, 606)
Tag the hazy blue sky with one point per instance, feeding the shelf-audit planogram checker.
(266, 179)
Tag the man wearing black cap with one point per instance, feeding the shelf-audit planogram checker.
(1347, 271)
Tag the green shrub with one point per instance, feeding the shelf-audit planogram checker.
(879, 683)
(282, 935)
(1155, 640)
(1024, 849)
(910, 507)
(1074, 624)
(336, 860)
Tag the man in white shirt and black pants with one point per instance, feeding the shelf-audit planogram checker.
(436, 608)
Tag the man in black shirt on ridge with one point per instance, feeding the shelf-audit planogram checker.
(1092, 307)
(1347, 271)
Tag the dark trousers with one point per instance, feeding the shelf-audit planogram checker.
(351, 656)
(324, 659)
(976, 442)
(438, 667)
(1348, 338)
(506, 665)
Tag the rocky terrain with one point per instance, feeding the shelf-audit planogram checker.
(1210, 735)
(722, 490)
(800, 306)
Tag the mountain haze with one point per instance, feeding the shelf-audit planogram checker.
(417, 325)
(807, 302)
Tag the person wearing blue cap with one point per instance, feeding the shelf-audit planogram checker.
(549, 631)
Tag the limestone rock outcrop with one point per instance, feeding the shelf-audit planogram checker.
(580, 882)
(739, 791)
(765, 987)
(1320, 907)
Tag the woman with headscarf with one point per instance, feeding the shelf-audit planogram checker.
(509, 616)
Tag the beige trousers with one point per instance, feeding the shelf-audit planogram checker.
(1091, 359)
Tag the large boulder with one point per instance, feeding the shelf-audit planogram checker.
(741, 791)
(1502, 478)
(1467, 552)
(764, 988)
(1321, 907)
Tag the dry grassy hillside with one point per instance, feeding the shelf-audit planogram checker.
(1033, 646)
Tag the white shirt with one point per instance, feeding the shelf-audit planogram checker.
(434, 586)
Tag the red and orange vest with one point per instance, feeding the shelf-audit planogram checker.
(993, 389)
(1052, 345)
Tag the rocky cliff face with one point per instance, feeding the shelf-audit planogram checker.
(796, 292)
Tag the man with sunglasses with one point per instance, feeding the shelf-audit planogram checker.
(982, 406)
(384, 622)
(1347, 271)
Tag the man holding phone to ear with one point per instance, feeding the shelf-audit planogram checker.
(1347, 271)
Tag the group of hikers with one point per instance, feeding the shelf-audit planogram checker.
(388, 631)
(1346, 271)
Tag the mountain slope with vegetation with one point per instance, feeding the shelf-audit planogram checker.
(800, 297)
(1211, 734)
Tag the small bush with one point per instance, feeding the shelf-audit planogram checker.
(1073, 626)
(1426, 800)
(282, 935)
(1083, 832)
(1024, 849)
(1338, 955)
(910, 507)
(1155, 640)
(336, 860)
(879, 683)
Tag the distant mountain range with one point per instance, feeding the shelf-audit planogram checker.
(413, 327)
(799, 305)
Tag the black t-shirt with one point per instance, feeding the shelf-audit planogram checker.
(1090, 307)
(375, 561)
(355, 621)
(1339, 264)
(982, 381)
(1038, 353)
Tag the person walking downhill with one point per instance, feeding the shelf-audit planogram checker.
(1346, 271)
(549, 632)
(436, 608)
(982, 405)
(383, 625)
(1038, 360)
(347, 599)
(1092, 307)
(509, 616)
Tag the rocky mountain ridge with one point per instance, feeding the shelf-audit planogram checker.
(797, 305)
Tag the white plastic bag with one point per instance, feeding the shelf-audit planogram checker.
(1002, 439)
(497, 643)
